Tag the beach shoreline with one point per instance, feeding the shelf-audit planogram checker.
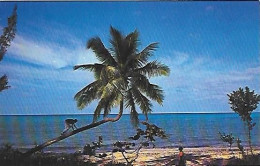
(210, 155)
(169, 156)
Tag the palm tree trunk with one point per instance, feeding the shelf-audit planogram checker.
(66, 135)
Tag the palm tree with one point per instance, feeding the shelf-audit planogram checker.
(121, 77)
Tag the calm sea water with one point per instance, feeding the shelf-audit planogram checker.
(188, 130)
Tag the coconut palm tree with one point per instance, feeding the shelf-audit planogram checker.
(122, 77)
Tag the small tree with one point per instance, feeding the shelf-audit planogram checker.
(146, 137)
(244, 103)
(227, 138)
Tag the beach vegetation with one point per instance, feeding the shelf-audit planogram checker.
(247, 160)
(244, 102)
(10, 156)
(228, 138)
(142, 138)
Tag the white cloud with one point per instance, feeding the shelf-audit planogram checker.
(49, 54)
(20, 74)
(198, 78)
(179, 58)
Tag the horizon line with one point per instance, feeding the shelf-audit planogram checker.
(123, 114)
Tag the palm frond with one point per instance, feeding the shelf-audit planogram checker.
(146, 53)
(108, 73)
(107, 108)
(116, 42)
(130, 103)
(142, 101)
(154, 68)
(139, 59)
(111, 101)
(132, 42)
(106, 104)
(100, 51)
(98, 109)
(96, 68)
(8, 33)
(107, 90)
(152, 91)
(88, 94)
(134, 118)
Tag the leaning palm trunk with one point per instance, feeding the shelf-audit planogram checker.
(66, 135)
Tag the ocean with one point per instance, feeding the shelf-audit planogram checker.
(187, 130)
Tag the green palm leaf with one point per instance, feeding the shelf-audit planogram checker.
(100, 51)
(116, 42)
(152, 91)
(143, 102)
(132, 42)
(130, 103)
(96, 68)
(147, 52)
(154, 68)
(89, 93)
(98, 109)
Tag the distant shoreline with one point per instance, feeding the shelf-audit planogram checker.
(156, 113)
(108, 148)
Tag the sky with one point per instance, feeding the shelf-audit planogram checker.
(211, 48)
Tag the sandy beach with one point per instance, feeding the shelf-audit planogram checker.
(168, 156)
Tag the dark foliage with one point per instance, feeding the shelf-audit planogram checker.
(5, 40)
(8, 33)
(248, 160)
(244, 102)
(12, 157)
(3, 83)
(91, 150)
(227, 138)
(144, 137)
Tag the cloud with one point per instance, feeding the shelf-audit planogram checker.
(49, 54)
(23, 75)
(195, 77)
(179, 58)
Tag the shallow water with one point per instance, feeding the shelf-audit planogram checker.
(188, 130)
